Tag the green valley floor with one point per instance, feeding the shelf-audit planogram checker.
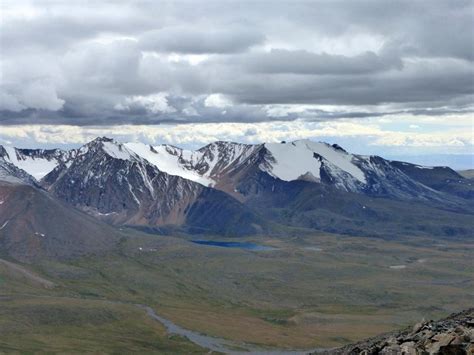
(308, 291)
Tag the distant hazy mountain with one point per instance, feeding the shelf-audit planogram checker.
(440, 178)
(468, 174)
(239, 189)
(455, 161)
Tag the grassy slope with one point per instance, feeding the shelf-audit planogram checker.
(292, 297)
(65, 325)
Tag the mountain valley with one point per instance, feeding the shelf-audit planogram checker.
(88, 234)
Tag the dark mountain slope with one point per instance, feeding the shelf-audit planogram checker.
(440, 178)
(34, 225)
(322, 207)
(214, 212)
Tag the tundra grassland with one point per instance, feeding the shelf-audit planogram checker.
(310, 291)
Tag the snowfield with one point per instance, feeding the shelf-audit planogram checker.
(118, 151)
(36, 167)
(162, 157)
(294, 159)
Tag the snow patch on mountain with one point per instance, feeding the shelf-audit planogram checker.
(35, 166)
(419, 166)
(337, 157)
(12, 174)
(298, 158)
(118, 151)
(424, 167)
(292, 161)
(171, 160)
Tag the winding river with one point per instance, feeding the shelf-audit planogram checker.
(217, 344)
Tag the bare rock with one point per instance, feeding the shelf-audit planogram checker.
(450, 336)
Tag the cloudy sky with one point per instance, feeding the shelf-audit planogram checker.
(393, 78)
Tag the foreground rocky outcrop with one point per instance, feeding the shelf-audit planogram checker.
(453, 335)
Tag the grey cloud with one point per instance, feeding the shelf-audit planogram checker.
(136, 113)
(439, 28)
(304, 62)
(418, 82)
(187, 40)
(10, 103)
(105, 69)
(413, 55)
(61, 24)
(40, 95)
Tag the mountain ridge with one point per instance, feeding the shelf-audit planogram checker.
(249, 188)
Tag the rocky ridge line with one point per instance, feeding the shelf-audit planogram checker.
(452, 335)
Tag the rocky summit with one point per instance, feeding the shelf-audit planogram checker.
(453, 335)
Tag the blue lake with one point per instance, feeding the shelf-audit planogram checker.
(238, 245)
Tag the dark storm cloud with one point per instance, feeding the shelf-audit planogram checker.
(143, 62)
(420, 84)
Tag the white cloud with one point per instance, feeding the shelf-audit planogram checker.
(217, 100)
(193, 59)
(36, 95)
(41, 95)
(362, 136)
(10, 102)
(155, 103)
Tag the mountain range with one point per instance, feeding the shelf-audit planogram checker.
(234, 189)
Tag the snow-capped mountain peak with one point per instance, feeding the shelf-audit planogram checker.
(285, 161)
(207, 165)
(109, 147)
(204, 165)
